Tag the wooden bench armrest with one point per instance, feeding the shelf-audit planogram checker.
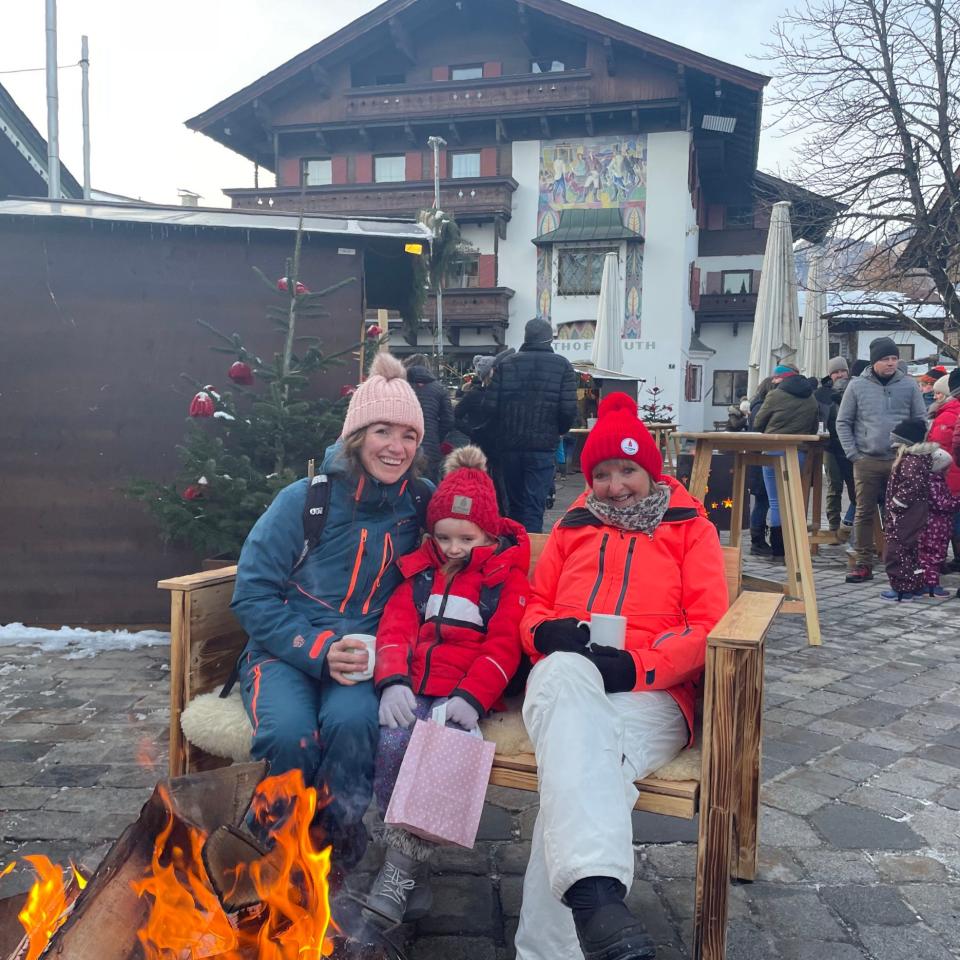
(747, 621)
(197, 581)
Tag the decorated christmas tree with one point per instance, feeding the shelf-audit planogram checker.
(655, 410)
(249, 438)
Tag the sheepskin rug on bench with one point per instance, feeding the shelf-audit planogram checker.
(220, 726)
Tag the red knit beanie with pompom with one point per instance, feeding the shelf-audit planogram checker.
(466, 492)
(620, 435)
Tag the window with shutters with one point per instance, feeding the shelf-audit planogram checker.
(466, 164)
(392, 169)
(580, 270)
(739, 217)
(729, 387)
(317, 173)
(467, 71)
(693, 383)
(737, 281)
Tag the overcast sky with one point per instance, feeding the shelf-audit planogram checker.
(154, 65)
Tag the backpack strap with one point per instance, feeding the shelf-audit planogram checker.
(421, 491)
(314, 515)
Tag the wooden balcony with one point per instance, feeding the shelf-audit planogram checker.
(483, 307)
(469, 200)
(716, 307)
(459, 98)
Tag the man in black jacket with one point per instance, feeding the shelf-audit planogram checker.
(532, 402)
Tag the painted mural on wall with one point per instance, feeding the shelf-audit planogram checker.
(595, 173)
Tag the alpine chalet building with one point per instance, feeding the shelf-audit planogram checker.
(567, 135)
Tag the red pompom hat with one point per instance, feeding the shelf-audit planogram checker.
(466, 492)
(620, 435)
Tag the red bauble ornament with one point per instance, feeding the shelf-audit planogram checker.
(201, 405)
(241, 373)
(283, 286)
(348, 390)
(193, 492)
(373, 331)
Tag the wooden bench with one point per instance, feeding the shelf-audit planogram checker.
(206, 641)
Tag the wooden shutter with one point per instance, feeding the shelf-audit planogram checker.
(756, 281)
(714, 282)
(414, 166)
(338, 169)
(440, 73)
(487, 274)
(289, 173)
(715, 216)
(694, 286)
(363, 168)
(492, 69)
(488, 162)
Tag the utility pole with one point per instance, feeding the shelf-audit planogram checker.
(85, 106)
(53, 123)
(435, 144)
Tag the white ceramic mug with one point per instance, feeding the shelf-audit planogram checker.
(607, 630)
(370, 643)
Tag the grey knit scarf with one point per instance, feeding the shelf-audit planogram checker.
(644, 516)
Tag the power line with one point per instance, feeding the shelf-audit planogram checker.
(68, 66)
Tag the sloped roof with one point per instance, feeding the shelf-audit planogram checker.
(589, 226)
(23, 154)
(566, 12)
(213, 218)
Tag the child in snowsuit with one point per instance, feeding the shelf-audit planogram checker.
(451, 632)
(918, 515)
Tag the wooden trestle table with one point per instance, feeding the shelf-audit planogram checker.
(794, 486)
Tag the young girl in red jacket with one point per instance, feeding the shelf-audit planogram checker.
(451, 632)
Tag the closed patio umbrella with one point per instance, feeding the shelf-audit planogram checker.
(775, 325)
(607, 345)
(814, 352)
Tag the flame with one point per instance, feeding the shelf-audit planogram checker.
(46, 907)
(186, 920)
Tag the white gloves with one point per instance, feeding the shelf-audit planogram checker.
(461, 713)
(397, 704)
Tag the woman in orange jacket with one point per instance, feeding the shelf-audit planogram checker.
(636, 545)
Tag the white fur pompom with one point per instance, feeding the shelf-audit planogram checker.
(218, 725)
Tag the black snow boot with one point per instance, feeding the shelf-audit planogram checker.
(606, 929)
(758, 543)
(776, 544)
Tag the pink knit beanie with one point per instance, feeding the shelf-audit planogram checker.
(384, 397)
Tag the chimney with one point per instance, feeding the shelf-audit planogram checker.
(188, 198)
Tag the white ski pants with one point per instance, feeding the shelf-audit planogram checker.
(590, 747)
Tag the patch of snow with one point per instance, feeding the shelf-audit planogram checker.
(75, 643)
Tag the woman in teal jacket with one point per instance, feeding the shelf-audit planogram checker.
(306, 712)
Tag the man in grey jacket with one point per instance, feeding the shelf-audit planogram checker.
(873, 404)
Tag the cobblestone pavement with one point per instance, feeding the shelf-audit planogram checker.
(860, 831)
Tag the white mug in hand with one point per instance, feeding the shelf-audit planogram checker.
(607, 630)
(370, 643)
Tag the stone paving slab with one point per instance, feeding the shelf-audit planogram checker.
(860, 832)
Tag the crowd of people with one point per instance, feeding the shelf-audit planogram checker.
(893, 447)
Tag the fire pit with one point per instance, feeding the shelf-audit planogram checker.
(186, 882)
